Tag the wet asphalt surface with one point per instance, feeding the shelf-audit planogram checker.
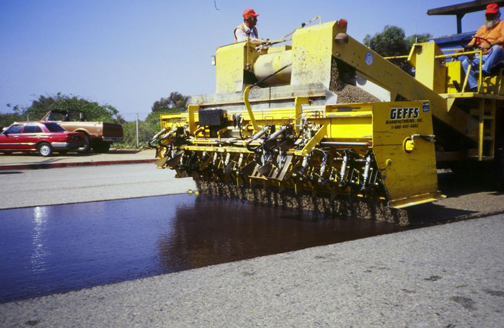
(55, 249)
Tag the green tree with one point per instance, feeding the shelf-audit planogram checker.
(417, 38)
(176, 102)
(146, 130)
(7, 119)
(92, 110)
(392, 41)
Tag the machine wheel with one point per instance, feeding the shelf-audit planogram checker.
(465, 169)
(101, 147)
(499, 169)
(45, 149)
(499, 159)
(497, 172)
(87, 145)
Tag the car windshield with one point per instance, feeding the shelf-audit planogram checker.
(54, 127)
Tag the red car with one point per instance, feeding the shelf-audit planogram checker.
(43, 137)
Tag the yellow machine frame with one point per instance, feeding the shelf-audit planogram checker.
(288, 132)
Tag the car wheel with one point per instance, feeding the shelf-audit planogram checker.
(45, 149)
(7, 153)
(87, 145)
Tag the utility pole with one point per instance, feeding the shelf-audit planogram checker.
(137, 130)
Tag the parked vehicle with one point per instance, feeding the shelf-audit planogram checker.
(98, 135)
(42, 137)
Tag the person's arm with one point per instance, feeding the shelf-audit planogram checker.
(500, 39)
(470, 44)
(479, 33)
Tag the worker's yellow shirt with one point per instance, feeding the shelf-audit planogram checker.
(491, 34)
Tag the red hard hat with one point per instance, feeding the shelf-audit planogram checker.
(492, 8)
(247, 13)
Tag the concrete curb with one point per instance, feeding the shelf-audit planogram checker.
(37, 166)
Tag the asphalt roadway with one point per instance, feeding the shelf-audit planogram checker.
(26, 188)
(27, 181)
(441, 276)
(31, 180)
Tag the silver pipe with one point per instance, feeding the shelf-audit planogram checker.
(277, 133)
(169, 134)
(323, 166)
(158, 134)
(343, 170)
(240, 161)
(260, 133)
(305, 161)
(366, 171)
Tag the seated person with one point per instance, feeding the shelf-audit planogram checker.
(492, 34)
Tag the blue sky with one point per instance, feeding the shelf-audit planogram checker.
(130, 53)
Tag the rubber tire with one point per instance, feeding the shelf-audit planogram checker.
(465, 169)
(87, 147)
(499, 170)
(101, 147)
(496, 170)
(498, 178)
(45, 149)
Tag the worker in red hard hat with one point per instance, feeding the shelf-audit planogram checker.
(490, 38)
(248, 29)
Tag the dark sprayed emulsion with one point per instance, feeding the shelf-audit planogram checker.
(54, 249)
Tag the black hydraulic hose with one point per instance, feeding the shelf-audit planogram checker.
(251, 148)
(271, 75)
